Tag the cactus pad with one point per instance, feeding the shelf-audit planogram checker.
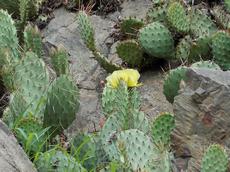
(157, 13)
(206, 65)
(108, 136)
(221, 49)
(136, 149)
(183, 48)
(86, 30)
(177, 18)
(62, 104)
(157, 41)
(162, 128)
(130, 52)
(172, 82)
(59, 60)
(31, 78)
(215, 159)
(201, 24)
(33, 40)
(8, 38)
(58, 161)
(221, 16)
(130, 26)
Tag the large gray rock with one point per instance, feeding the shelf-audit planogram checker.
(12, 157)
(202, 111)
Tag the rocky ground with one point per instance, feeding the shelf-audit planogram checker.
(63, 29)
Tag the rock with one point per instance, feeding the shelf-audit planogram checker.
(202, 112)
(137, 8)
(152, 98)
(12, 156)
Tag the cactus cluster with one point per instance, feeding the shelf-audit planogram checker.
(27, 79)
(172, 30)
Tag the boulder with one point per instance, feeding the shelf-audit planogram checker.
(202, 111)
(12, 156)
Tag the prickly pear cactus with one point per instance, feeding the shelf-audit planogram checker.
(87, 34)
(60, 62)
(157, 40)
(161, 129)
(206, 65)
(62, 104)
(108, 136)
(8, 39)
(221, 16)
(157, 13)
(31, 78)
(214, 159)
(57, 161)
(108, 99)
(7, 73)
(33, 40)
(172, 82)
(86, 30)
(136, 149)
(221, 49)
(130, 26)
(177, 17)
(200, 48)
(201, 24)
(130, 52)
(183, 48)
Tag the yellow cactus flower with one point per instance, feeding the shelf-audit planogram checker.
(129, 76)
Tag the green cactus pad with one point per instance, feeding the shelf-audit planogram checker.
(157, 41)
(33, 40)
(86, 30)
(62, 104)
(108, 137)
(130, 52)
(57, 161)
(206, 65)
(215, 159)
(221, 49)
(59, 60)
(177, 17)
(183, 48)
(130, 26)
(221, 16)
(136, 149)
(172, 82)
(7, 73)
(157, 13)
(161, 129)
(200, 24)
(108, 98)
(200, 48)
(8, 39)
(31, 78)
